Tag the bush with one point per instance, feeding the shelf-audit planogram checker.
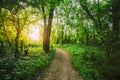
(89, 61)
(25, 67)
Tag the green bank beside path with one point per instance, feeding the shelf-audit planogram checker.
(89, 61)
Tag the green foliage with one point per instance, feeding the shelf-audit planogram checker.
(78, 21)
(6, 68)
(92, 63)
(25, 67)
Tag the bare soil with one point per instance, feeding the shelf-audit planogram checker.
(60, 68)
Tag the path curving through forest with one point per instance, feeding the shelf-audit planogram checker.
(60, 68)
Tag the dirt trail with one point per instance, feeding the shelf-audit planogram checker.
(60, 68)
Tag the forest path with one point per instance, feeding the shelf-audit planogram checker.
(60, 68)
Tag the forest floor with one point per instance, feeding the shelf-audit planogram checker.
(60, 68)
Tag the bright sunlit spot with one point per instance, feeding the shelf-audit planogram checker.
(99, 0)
(34, 32)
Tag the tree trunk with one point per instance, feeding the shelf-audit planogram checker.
(44, 30)
(62, 35)
(99, 21)
(116, 17)
(1, 49)
(21, 46)
(47, 31)
(87, 38)
(17, 46)
(116, 24)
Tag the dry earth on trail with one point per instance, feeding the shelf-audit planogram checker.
(60, 68)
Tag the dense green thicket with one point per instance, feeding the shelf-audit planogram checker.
(91, 62)
(91, 22)
(26, 66)
(20, 57)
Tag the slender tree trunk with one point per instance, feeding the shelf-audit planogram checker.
(62, 35)
(1, 48)
(21, 46)
(17, 45)
(58, 36)
(99, 21)
(116, 24)
(116, 17)
(94, 36)
(87, 38)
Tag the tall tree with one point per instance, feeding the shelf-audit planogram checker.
(47, 8)
(18, 18)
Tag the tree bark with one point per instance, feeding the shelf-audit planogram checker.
(99, 21)
(116, 24)
(47, 31)
(44, 29)
(116, 16)
(17, 45)
(62, 35)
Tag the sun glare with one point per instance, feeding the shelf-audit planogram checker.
(34, 32)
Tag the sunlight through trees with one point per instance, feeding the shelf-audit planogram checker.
(88, 29)
(34, 32)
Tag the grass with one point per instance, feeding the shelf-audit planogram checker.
(87, 60)
(25, 67)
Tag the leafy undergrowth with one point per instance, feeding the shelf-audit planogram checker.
(25, 67)
(91, 62)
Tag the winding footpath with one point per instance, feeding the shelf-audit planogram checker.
(60, 68)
